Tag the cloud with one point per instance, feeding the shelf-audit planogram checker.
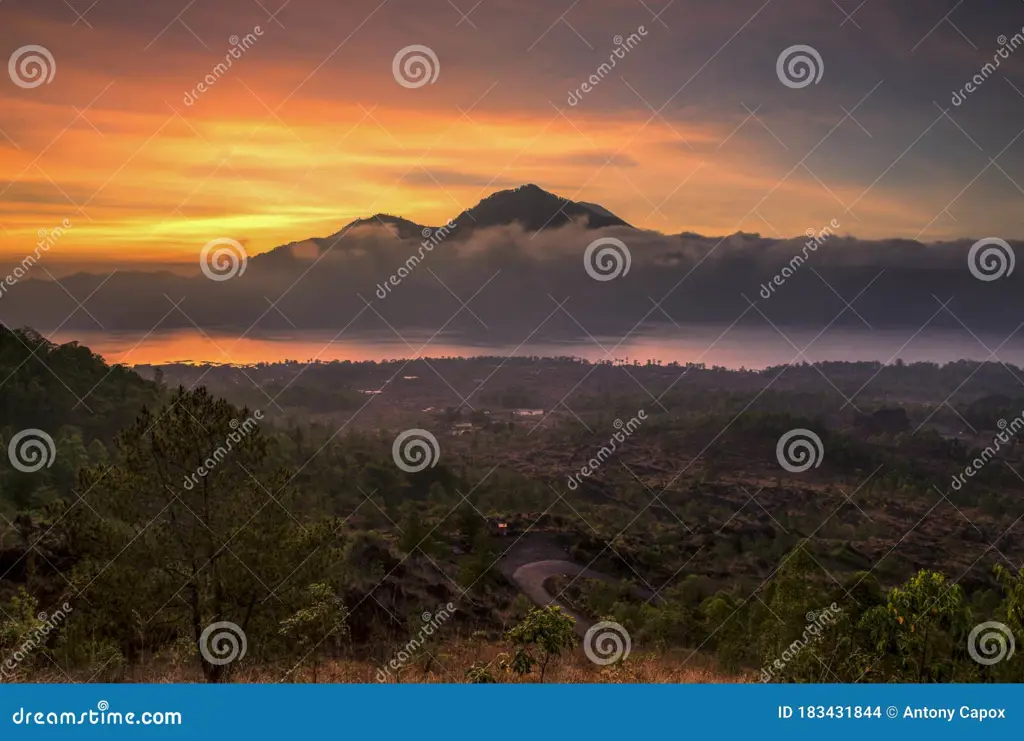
(309, 130)
(517, 278)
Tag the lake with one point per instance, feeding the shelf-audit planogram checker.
(739, 347)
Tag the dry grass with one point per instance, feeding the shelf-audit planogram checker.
(446, 664)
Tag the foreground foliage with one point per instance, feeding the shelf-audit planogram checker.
(164, 513)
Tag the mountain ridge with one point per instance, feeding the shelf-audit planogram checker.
(529, 205)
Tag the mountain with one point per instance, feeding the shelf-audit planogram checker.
(530, 206)
(287, 254)
(534, 209)
(536, 244)
(49, 386)
(401, 228)
(599, 210)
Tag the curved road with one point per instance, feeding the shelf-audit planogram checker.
(530, 579)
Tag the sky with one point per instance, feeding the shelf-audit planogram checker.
(693, 130)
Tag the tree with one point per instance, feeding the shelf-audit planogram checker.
(1011, 614)
(323, 620)
(480, 673)
(919, 634)
(191, 526)
(469, 522)
(414, 531)
(477, 568)
(546, 631)
(22, 620)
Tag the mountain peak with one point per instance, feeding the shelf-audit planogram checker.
(400, 227)
(528, 205)
(533, 208)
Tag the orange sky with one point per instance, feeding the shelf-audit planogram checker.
(302, 136)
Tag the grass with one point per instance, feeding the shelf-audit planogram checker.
(446, 663)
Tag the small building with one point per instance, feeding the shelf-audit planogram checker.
(528, 413)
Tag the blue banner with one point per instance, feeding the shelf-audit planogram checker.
(447, 712)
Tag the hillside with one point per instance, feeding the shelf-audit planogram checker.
(493, 541)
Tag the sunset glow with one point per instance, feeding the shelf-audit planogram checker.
(308, 130)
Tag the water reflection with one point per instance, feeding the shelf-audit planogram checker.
(733, 348)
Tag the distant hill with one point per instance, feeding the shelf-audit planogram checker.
(49, 386)
(61, 407)
(401, 228)
(375, 275)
